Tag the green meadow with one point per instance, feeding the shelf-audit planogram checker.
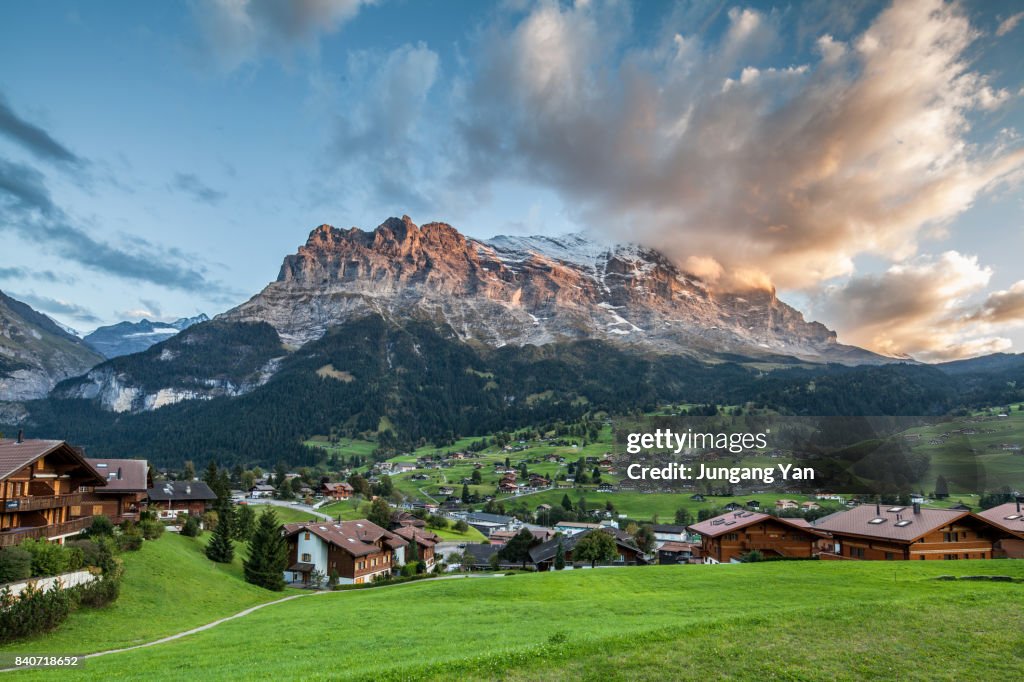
(804, 620)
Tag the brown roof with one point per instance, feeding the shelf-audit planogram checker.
(15, 456)
(899, 523)
(423, 537)
(678, 547)
(358, 538)
(1009, 516)
(123, 475)
(338, 486)
(732, 521)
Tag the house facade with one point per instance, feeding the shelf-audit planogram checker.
(887, 532)
(337, 491)
(726, 538)
(40, 482)
(628, 554)
(170, 498)
(124, 495)
(426, 543)
(355, 551)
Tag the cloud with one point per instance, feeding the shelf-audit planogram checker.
(190, 184)
(925, 307)
(713, 149)
(236, 32)
(1009, 24)
(57, 307)
(39, 275)
(381, 135)
(33, 138)
(27, 210)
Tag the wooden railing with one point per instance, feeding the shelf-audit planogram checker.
(37, 502)
(14, 537)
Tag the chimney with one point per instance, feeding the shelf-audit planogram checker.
(917, 507)
(21, 435)
(1018, 505)
(119, 473)
(878, 509)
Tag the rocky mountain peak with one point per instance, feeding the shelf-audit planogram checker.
(528, 290)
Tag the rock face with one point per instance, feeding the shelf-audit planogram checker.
(36, 353)
(125, 338)
(533, 290)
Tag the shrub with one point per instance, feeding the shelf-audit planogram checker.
(191, 527)
(101, 526)
(88, 549)
(33, 611)
(151, 529)
(15, 564)
(411, 568)
(130, 540)
(461, 526)
(47, 558)
(209, 520)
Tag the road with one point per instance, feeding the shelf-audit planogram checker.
(292, 505)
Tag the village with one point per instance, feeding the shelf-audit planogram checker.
(53, 492)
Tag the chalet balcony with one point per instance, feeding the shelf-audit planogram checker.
(17, 535)
(37, 502)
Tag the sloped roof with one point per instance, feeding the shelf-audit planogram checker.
(123, 475)
(547, 550)
(423, 537)
(1009, 516)
(733, 521)
(357, 538)
(15, 456)
(181, 490)
(890, 522)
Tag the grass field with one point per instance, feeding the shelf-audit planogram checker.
(285, 514)
(169, 586)
(782, 620)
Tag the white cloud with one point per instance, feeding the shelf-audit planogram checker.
(1009, 24)
(235, 32)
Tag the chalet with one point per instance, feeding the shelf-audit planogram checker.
(786, 504)
(425, 543)
(402, 519)
(575, 527)
(507, 486)
(697, 497)
(354, 551)
(543, 508)
(1010, 517)
(336, 491)
(125, 492)
(606, 488)
(543, 555)
(261, 490)
(488, 523)
(171, 498)
(728, 537)
(874, 531)
(41, 482)
(501, 537)
(809, 506)
(402, 467)
(445, 490)
(669, 533)
(753, 504)
(679, 553)
(733, 506)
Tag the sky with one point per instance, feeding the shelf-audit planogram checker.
(864, 158)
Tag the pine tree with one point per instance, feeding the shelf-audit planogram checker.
(560, 556)
(380, 513)
(221, 548)
(566, 502)
(244, 523)
(941, 487)
(465, 493)
(268, 554)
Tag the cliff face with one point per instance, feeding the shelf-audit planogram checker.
(534, 290)
(36, 353)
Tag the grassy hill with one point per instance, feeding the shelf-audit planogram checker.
(169, 586)
(784, 620)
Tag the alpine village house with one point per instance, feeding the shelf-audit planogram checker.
(41, 482)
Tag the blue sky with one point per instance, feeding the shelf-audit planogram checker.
(160, 159)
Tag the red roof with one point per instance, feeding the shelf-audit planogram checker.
(733, 521)
(1009, 516)
(892, 522)
(358, 538)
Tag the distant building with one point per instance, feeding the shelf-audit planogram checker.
(728, 537)
(337, 491)
(354, 551)
(124, 495)
(171, 498)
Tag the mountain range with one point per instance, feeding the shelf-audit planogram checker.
(530, 290)
(36, 353)
(125, 338)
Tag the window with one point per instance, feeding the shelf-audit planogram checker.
(857, 552)
(952, 557)
(306, 558)
(306, 536)
(731, 537)
(949, 537)
(889, 556)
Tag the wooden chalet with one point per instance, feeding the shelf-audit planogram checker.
(337, 491)
(426, 542)
(40, 481)
(671, 553)
(1010, 517)
(895, 532)
(170, 498)
(728, 537)
(124, 495)
(355, 551)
